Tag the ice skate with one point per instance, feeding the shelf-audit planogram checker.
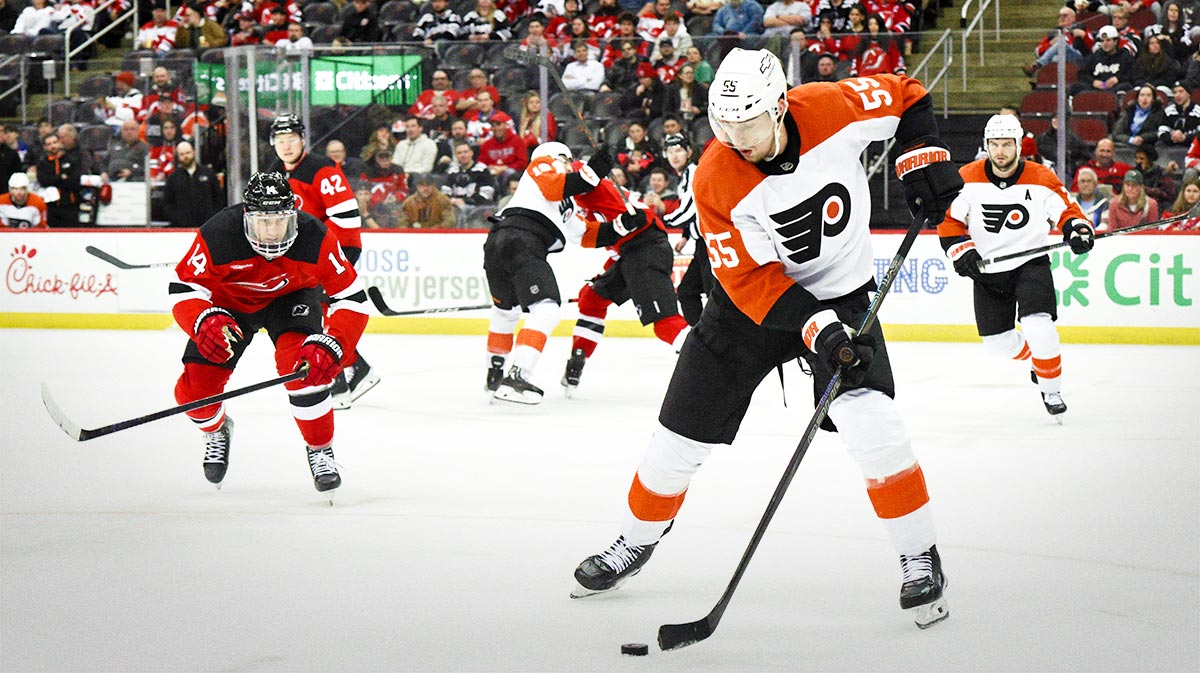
(574, 370)
(216, 452)
(609, 569)
(495, 373)
(921, 594)
(324, 470)
(516, 388)
(360, 378)
(340, 391)
(1055, 405)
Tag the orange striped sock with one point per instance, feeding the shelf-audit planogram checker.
(899, 494)
(1048, 368)
(647, 505)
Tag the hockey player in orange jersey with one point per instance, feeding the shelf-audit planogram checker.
(1008, 205)
(784, 209)
(538, 220)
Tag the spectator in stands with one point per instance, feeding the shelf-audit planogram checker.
(361, 22)
(1188, 200)
(584, 73)
(68, 138)
(672, 126)
(468, 182)
(622, 75)
(296, 41)
(198, 31)
(704, 7)
(437, 125)
(676, 32)
(603, 21)
(648, 100)
(1109, 68)
(704, 70)
(468, 100)
(127, 158)
(35, 19)
(458, 133)
(1181, 120)
(10, 158)
(1155, 179)
(381, 140)
(1139, 123)
(76, 19)
(486, 23)
(1078, 150)
(415, 153)
(158, 34)
(577, 33)
(1155, 65)
(439, 86)
(163, 90)
(637, 153)
(536, 39)
(667, 65)
(374, 216)
(1079, 42)
(438, 23)
(784, 22)
(838, 12)
(626, 30)
(651, 22)
(426, 208)
(11, 138)
(826, 69)
(248, 31)
(389, 184)
(1108, 171)
(58, 174)
(738, 18)
(657, 192)
(335, 151)
(276, 29)
(192, 194)
(1172, 28)
(19, 208)
(161, 160)
(877, 51)
(479, 121)
(688, 96)
(1132, 206)
(529, 125)
(1092, 196)
(1127, 36)
(504, 152)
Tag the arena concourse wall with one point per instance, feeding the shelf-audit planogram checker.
(1139, 288)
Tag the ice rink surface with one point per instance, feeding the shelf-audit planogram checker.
(453, 539)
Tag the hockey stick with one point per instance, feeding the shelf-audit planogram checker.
(381, 306)
(675, 636)
(983, 263)
(97, 252)
(82, 435)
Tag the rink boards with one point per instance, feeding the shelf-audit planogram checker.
(1138, 288)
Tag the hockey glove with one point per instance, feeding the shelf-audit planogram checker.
(324, 357)
(966, 259)
(629, 222)
(601, 164)
(1079, 235)
(931, 182)
(216, 332)
(838, 347)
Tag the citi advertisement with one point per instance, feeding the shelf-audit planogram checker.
(1145, 283)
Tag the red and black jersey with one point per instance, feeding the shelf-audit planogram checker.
(601, 210)
(322, 190)
(221, 269)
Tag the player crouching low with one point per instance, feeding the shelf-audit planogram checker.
(1008, 205)
(261, 264)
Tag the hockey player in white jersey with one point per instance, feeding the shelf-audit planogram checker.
(784, 209)
(1009, 205)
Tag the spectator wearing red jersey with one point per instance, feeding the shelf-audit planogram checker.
(276, 28)
(247, 32)
(537, 41)
(158, 34)
(468, 100)
(163, 90)
(389, 184)
(668, 63)
(504, 153)
(878, 52)
(652, 21)
(439, 85)
(603, 22)
(1108, 171)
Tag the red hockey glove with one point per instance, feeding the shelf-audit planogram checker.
(324, 357)
(216, 332)
(838, 347)
(1079, 235)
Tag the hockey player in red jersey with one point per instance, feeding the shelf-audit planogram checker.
(322, 190)
(538, 220)
(1008, 205)
(784, 210)
(639, 269)
(261, 264)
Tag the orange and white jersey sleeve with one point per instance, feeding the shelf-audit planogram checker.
(545, 190)
(1003, 216)
(805, 225)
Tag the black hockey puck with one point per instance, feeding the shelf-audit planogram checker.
(635, 649)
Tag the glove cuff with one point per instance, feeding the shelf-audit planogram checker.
(920, 158)
(1077, 225)
(817, 324)
(327, 342)
(208, 313)
(959, 249)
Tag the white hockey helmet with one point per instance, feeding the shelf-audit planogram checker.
(743, 99)
(554, 150)
(1003, 126)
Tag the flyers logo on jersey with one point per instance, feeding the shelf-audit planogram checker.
(997, 217)
(801, 227)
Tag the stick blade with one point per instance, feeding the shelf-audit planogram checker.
(60, 419)
(676, 636)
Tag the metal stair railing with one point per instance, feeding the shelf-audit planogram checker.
(69, 52)
(968, 28)
(19, 85)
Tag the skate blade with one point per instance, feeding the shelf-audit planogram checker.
(367, 384)
(581, 591)
(569, 391)
(925, 616)
(515, 397)
(1058, 418)
(341, 402)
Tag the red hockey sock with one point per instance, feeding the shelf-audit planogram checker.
(199, 381)
(668, 328)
